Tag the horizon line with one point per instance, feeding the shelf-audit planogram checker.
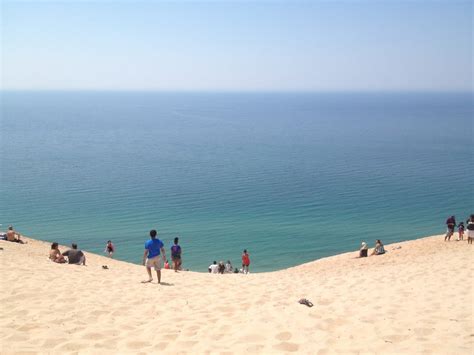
(225, 91)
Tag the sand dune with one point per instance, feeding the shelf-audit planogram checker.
(415, 299)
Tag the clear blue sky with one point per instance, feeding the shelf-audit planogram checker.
(237, 45)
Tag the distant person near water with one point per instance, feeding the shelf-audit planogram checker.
(378, 249)
(363, 250)
(470, 229)
(221, 267)
(228, 267)
(213, 268)
(13, 236)
(75, 256)
(109, 249)
(461, 231)
(55, 255)
(152, 257)
(450, 223)
(245, 262)
(176, 255)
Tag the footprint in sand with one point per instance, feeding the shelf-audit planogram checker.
(283, 336)
(287, 347)
(423, 331)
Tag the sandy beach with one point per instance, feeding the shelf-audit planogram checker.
(415, 299)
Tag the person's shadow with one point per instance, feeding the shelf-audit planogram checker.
(166, 284)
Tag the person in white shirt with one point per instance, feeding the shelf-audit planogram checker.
(213, 268)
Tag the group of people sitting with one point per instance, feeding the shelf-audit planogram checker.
(451, 224)
(227, 268)
(221, 268)
(73, 255)
(378, 249)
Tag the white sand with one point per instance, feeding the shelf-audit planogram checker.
(417, 299)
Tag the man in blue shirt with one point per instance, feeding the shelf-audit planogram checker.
(152, 257)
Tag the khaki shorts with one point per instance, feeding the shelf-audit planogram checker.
(154, 262)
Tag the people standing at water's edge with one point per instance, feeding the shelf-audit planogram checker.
(152, 256)
(55, 255)
(378, 249)
(450, 223)
(109, 249)
(245, 262)
(176, 255)
(470, 229)
(75, 256)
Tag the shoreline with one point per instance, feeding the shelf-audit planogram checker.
(416, 299)
(350, 254)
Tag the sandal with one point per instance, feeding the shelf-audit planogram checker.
(305, 302)
(105, 267)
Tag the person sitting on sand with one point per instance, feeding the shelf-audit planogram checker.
(228, 267)
(109, 248)
(13, 236)
(470, 229)
(213, 268)
(221, 267)
(176, 255)
(363, 250)
(55, 255)
(378, 249)
(75, 256)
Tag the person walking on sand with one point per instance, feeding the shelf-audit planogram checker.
(109, 249)
(245, 262)
(152, 257)
(470, 229)
(176, 255)
(450, 223)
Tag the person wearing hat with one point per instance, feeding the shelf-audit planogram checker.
(363, 250)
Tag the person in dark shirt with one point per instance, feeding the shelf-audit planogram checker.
(75, 256)
(451, 223)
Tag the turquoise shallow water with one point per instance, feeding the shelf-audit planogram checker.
(291, 177)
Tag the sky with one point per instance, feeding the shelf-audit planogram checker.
(383, 45)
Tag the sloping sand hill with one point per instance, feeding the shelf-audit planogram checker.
(414, 299)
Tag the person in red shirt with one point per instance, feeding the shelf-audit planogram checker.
(245, 262)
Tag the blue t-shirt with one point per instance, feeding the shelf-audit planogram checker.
(153, 246)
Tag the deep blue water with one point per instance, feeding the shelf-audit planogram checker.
(290, 177)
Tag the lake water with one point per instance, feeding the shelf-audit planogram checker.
(292, 177)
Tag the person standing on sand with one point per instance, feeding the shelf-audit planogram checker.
(152, 257)
(470, 229)
(461, 231)
(176, 255)
(245, 262)
(451, 223)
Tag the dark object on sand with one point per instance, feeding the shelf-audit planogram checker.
(305, 302)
